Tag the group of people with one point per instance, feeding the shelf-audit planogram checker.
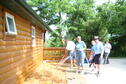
(76, 52)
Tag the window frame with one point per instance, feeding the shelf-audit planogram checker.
(8, 15)
(33, 37)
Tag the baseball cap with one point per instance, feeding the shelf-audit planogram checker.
(96, 37)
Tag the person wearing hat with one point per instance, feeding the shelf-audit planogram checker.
(98, 50)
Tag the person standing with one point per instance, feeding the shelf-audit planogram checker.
(98, 50)
(80, 54)
(71, 48)
(107, 49)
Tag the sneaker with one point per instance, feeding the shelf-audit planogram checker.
(77, 71)
(90, 65)
(98, 72)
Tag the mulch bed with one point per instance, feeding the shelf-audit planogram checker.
(48, 73)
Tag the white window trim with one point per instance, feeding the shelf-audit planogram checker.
(7, 24)
(33, 28)
(33, 37)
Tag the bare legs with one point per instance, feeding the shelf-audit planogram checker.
(73, 63)
(98, 67)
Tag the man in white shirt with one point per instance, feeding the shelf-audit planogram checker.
(71, 47)
(107, 49)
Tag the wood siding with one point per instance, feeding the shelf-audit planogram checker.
(17, 56)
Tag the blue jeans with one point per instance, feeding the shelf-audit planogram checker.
(80, 55)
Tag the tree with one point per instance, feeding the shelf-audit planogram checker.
(85, 19)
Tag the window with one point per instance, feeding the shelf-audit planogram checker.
(10, 24)
(33, 36)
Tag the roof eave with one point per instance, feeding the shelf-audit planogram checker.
(31, 11)
(21, 8)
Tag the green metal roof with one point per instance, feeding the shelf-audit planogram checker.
(21, 8)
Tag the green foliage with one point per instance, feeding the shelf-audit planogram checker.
(86, 20)
(119, 46)
(57, 36)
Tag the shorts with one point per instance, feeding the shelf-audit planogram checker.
(71, 54)
(96, 59)
(91, 61)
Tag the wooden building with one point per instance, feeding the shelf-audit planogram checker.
(21, 41)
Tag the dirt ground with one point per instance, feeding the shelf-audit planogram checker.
(49, 73)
